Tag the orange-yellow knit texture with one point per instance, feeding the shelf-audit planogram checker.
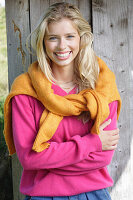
(35, 84)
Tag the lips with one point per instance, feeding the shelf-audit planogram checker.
(63, 55)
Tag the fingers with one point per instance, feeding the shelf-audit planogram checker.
(113, 139)
(115, 132)
(109, 139)
(113, 147)
(102, 126)
(115, 136)
(114, 142)
(112, 132)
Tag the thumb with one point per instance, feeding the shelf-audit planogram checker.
(102, 126)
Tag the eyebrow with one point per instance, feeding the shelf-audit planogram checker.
(57, 35)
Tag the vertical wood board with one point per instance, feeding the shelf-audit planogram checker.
(130, 57)
(37, 11)
(17, 23)
(110, 27)
(17, 26)
(85, 9)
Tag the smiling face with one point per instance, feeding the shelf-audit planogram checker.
(62, 43)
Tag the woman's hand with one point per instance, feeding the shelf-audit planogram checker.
(109, 139)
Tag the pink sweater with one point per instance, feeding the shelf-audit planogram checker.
(74, 163)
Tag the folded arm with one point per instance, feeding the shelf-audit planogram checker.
(57, 155)
(95, 160)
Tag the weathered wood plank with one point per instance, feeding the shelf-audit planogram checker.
(85, 8)
(37, 10)
(130, 57)
(17, 22)
(75, 2)
(110, 26)
(16, 174)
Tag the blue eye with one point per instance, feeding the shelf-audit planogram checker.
(70, 36)
(52, 38)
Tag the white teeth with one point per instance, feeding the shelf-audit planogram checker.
(63, 55)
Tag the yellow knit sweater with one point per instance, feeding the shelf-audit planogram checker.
(35, 84)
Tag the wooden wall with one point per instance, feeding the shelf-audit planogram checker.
(112, 25)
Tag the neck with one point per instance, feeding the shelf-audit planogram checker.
(63, 74)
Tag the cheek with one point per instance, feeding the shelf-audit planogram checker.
(75, 46)
(49, 47)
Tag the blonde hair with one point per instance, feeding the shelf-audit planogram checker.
(86, 64)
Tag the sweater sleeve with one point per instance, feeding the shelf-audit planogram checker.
(58, 154)
(95, 160)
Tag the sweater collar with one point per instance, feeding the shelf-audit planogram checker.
(59, 91)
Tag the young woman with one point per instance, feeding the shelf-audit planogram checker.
(61, 116)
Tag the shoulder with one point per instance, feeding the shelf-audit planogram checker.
(23, 80)
(101, 62)
(26, 101)
(20, 80)
(105, 71)
(24, 98)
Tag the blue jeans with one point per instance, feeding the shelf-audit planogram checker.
(94, 195)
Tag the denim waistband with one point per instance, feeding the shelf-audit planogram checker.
(102, 194)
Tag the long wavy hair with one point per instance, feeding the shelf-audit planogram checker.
(86, 68)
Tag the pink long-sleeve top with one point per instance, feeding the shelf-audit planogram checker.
(74, 162)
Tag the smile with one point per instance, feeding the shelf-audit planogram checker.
(62, 55)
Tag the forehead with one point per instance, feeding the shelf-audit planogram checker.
(62, 26)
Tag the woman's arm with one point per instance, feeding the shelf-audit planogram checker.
(96, 160)
(58, 154)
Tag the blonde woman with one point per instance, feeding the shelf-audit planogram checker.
(63, 124)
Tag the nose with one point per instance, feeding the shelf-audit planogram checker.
(62, 44)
